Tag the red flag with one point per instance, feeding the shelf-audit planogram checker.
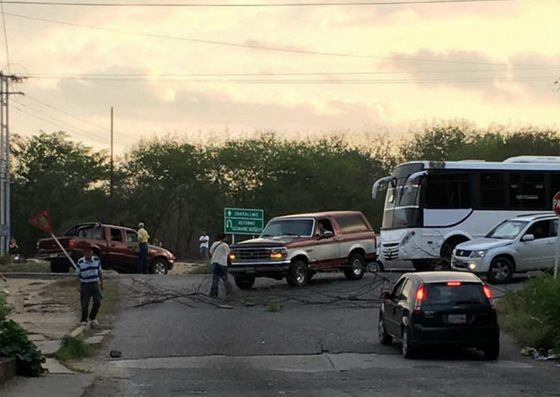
(42, 220)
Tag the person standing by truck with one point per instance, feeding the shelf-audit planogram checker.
(220, 252)
(90, 279)
(143, 238)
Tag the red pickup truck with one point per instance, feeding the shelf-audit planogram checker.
(116, 246)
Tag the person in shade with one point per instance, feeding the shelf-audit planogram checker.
(220, 252)
(90, 279)
(143, 238)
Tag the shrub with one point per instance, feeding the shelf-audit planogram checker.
(15, 343)
(273, 306)
(532, 315)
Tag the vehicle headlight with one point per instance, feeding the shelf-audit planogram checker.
(472, 266)
(478, 254)
(278, 253)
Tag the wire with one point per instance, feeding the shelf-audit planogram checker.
(80, 76)
(248, 5)
(255, 46)
(5, 36)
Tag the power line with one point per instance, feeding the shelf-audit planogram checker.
(249, 5)
(62, 124)
(5, 36)
(257, 47)
(333, 81)
(85, 76)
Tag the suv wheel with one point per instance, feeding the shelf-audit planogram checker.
(384, 337)
(245, 282)
(297, 275)
(408, 350)
(501, 270)
(492, 351)
(159, 267)
(356, 267)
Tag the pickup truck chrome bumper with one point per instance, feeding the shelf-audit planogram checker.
(259, 268)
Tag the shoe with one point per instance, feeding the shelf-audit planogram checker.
(94, 323)
(84, 323)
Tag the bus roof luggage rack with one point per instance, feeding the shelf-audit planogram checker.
(533, 159)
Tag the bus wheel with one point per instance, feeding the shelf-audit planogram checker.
(424, 265)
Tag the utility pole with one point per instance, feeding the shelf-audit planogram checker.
(5, 191)
(112, 164)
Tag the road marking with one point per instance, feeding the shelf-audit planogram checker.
(309, 363)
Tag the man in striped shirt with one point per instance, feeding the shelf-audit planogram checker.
(91, 284)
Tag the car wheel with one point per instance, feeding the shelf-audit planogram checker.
(356, 267)
(491, 352)
(298, 274)
(501, 270)
(408, 350)
(59, 267)
(245, 282)
(159, 267)
(384, 337)
(375, 267)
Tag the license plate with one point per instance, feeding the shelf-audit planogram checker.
(53, 255)
(457, 318)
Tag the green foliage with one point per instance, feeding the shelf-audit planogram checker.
(5, 259)
(532, 315)
(73, 348)
(273, 306)
(15, 343)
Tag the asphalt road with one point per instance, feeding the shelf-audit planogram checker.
(321, 342)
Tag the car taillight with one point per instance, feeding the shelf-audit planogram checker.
(453, 283)
(488, 294)
(420, 294)
(71, 243)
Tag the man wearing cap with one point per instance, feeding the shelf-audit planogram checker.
(90, 280)
(143, 238)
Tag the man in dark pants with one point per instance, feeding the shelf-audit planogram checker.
(90, 280)
(143, 238)
(220, 252)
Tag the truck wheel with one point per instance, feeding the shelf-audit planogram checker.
(159, 266)
(501, 270)
(297, 275)
(59, 267)
(356, 267)
(245, 282)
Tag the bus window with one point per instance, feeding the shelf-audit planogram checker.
(448, 191)
(492, 193)
(527, 190)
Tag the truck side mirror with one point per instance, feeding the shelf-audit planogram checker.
(328, 234)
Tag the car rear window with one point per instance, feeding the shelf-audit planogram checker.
(450, 295)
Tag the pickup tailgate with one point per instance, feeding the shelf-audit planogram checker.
(48, 248)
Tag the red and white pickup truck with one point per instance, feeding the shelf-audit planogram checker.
(294, 247)
(116, 246)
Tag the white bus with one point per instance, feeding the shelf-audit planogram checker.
(430, 207)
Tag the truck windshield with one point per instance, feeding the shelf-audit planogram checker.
(289, 227)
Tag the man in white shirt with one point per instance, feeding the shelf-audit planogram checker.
(220, 252)
(204, 242)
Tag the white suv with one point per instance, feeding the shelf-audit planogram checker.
(518, 245)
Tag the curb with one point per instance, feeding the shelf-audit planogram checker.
(8, 368)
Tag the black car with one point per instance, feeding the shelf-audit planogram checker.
(440, 308)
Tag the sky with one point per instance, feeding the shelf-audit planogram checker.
(208, 72)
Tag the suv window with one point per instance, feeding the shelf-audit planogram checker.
(131, 237)
(444, 295)
(116, 235)
(542, 229)
(351, 223)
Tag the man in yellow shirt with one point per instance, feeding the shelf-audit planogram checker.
(143, 238)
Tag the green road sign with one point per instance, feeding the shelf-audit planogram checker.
(243, 221)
